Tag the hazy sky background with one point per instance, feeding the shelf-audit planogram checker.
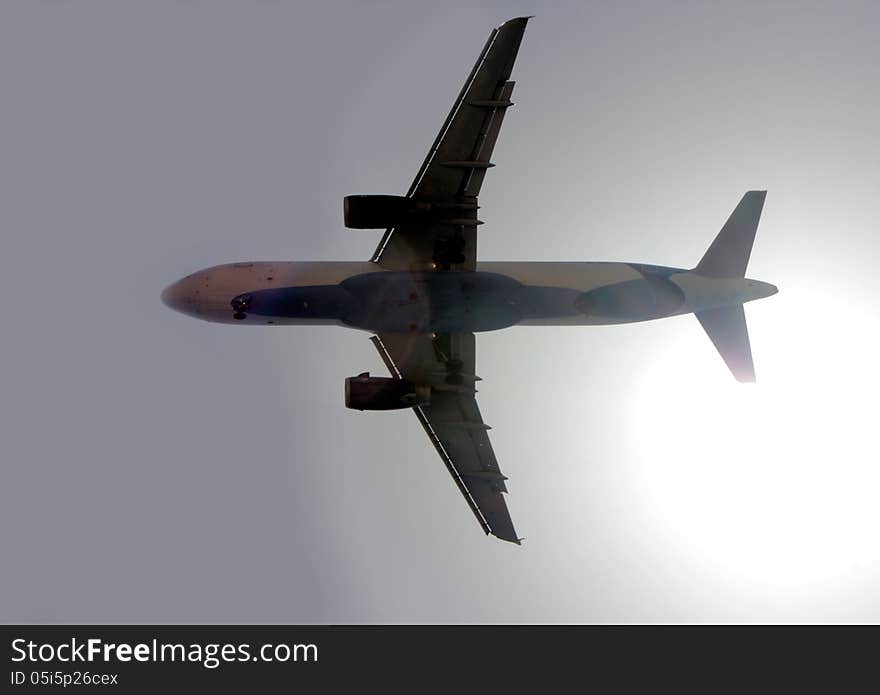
(157, 468)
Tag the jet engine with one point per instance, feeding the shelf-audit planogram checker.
(377, 211)
(365, 392)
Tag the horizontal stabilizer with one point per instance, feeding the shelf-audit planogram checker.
(728, 255)
(727, 329)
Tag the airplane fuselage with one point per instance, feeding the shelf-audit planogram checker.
(497, 295)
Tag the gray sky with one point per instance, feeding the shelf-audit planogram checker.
(157, 468)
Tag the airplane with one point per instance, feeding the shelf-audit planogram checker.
(424, 295)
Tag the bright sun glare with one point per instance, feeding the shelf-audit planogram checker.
(774, 483)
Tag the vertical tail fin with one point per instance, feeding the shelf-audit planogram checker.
(728, 255)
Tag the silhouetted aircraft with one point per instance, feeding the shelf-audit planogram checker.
(424, 295)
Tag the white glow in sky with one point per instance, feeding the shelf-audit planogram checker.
(774, 483)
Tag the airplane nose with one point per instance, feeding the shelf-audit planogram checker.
(166, 296)
(175, 296)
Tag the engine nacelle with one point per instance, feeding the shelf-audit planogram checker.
(377, 211)
(383, 211)
(365, 392)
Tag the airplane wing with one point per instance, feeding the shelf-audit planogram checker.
(452, 420)
(450, 178)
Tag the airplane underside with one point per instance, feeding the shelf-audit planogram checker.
(456, 302)
(424, 294)
(597, 293)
